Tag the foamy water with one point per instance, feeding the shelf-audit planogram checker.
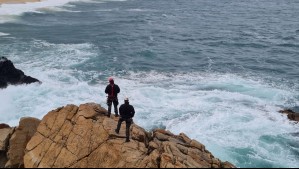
(4, 34)
(222, 118)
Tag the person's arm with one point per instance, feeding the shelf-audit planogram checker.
(107, 89)
(121, 111)
(133, 112)
(118, 89)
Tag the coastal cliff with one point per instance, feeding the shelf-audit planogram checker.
(77, 137)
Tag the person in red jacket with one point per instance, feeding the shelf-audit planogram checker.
(112, 90)
(127, 113)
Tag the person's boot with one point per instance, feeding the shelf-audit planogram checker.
(127, 140)
(116, 112)
(109, 111)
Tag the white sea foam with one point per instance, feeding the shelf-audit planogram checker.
(223, 111)
(8, 12)
(4, 34)
(18, 9)
(140, 10)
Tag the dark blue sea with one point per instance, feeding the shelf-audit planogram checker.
(217, 70)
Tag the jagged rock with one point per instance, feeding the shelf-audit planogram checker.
(5, 134)
(18, 141)
(291, 114)
(10, 75)
(84, 137)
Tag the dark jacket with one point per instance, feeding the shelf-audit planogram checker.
(109, 90)
(126, 111)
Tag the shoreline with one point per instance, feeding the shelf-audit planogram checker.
(17, 1)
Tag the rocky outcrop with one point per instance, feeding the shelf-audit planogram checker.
(291, 114)
(13, 142)
(18, 141)
(5, 134)
(83, 136)
(10, 75)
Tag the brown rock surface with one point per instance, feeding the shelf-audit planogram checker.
(4, 138)
(83, 136)
(5, 134)
(18, 141)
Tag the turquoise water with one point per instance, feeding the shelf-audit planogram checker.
(216, 70)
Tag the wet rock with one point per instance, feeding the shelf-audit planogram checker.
(10, 75)
(291, 114)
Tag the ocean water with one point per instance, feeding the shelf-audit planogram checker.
(217, 70)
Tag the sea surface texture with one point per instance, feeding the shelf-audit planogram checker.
(217, 70)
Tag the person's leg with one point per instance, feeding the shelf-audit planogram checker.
(128, 125)
(109, 103)
(119, 125)
(115, 103)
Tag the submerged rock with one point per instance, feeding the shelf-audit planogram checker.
(10, 75)
(84, 137)
(291, 114)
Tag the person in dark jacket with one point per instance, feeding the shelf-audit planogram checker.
(127, 112)
(112, 90)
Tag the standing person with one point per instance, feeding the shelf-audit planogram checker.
(112, 90)
(127, 112)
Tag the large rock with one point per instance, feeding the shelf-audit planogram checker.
(5, 134)
(10, 75)
(18, 141)
(291, 114)
(83, 136)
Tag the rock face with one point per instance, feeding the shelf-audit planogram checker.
(10, 75)
(291, 114)
(18, 141)
(83, 136)
(14, 140)
(4, 138)
(5, 134)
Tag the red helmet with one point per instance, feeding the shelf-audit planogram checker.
(110, 79)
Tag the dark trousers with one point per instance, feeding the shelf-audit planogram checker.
(128, 125)
(115, 104)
